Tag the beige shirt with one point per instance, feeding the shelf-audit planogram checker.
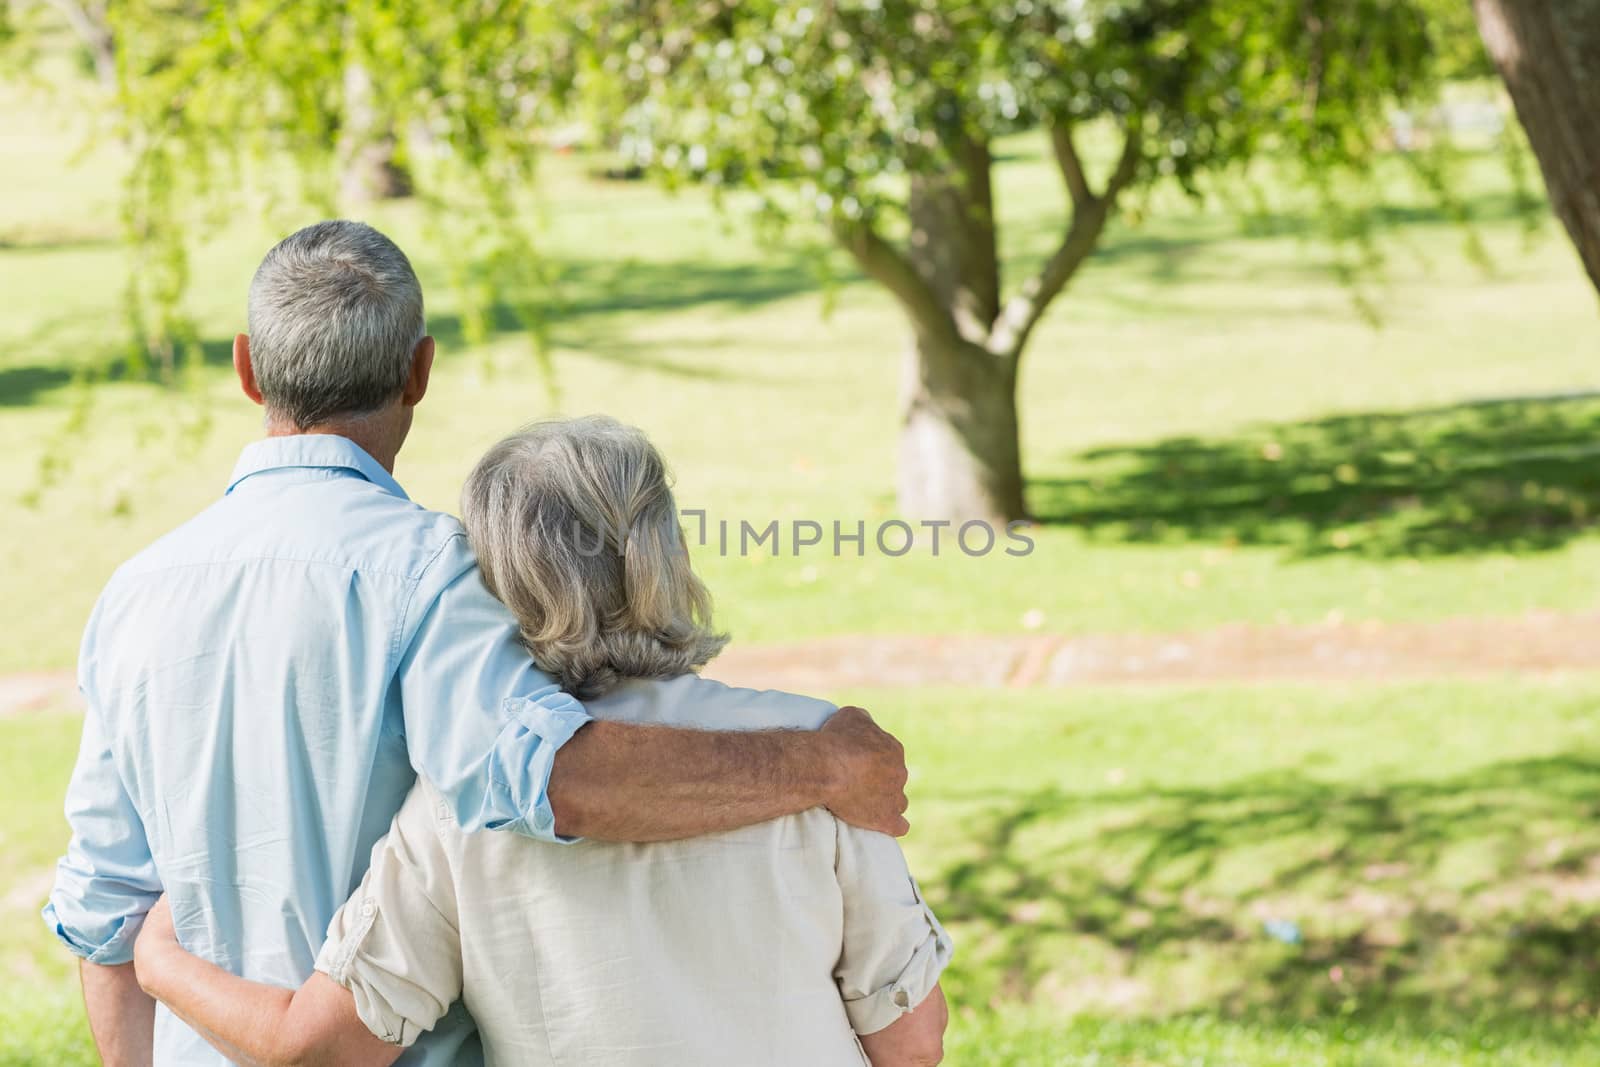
(771, 945)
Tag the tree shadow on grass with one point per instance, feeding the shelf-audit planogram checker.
(22, 386)
(1284, 898)
(1184, 246)
(1497, 475)
(586, 310)
(46, 239)
(25, 385)
(588, 294)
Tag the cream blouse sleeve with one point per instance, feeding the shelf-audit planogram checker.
(394, 944)
(894, 949)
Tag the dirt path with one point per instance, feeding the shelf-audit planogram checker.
(1363, 651)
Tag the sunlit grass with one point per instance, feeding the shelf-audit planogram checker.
(673, 319)
(1111, 862)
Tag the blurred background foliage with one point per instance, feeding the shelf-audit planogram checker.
(873, 121)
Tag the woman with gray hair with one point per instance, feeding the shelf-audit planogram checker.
(801, 941)
(576, 531)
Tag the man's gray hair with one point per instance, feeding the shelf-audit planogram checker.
(335, 316)
(576, 531)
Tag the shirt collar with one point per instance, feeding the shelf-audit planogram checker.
(327, 451)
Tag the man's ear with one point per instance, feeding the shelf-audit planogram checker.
(242, 367)
(421, 368)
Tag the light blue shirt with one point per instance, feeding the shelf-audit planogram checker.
(263, 686)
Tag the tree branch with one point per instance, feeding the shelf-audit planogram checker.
(1071, 166)
(885, 264)
(1127, 164)
(1023, 311)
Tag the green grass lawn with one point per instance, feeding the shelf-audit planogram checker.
(1213, 433)
(1113, 866)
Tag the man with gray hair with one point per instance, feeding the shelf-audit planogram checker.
(265, 682)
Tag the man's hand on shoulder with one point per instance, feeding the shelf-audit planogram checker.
(865, 772)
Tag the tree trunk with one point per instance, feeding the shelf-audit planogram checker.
(959, 453)
(371, 171)
(88, 20)
(1548, 52)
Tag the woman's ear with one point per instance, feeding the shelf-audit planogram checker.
(421, 368)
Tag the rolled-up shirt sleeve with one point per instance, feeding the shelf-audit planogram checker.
(395, 943)
(107, 880)
(483, 723)
(894, 948)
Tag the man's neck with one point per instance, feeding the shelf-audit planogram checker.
(376, 438)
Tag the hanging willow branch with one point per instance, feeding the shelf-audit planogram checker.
(218, 97)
